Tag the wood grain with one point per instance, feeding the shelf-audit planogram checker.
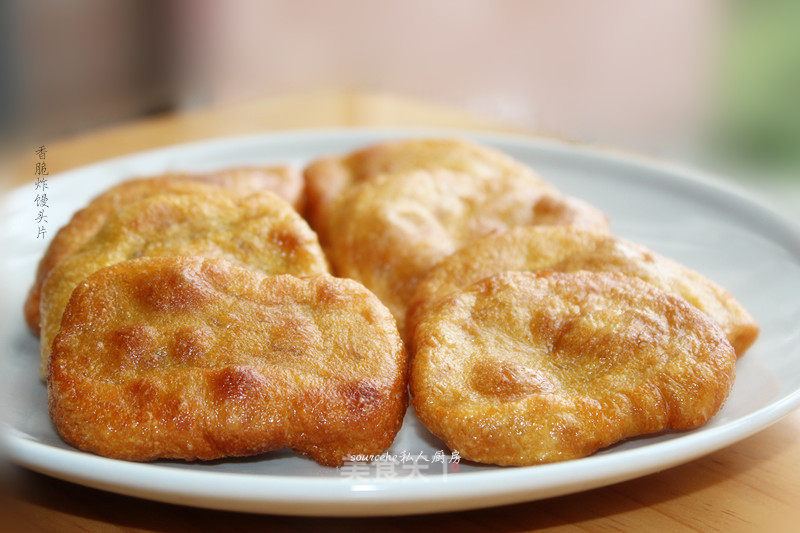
(754, 484)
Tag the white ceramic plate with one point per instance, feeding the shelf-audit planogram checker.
(712, 229)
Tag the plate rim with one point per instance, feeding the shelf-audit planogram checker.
(342, 497)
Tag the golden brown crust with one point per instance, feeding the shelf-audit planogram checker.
(565, 249)
(283, 181)
(522, 368)
(192, 358)
(259, 230)
(327, 178)
(386, 214)
(391, 229)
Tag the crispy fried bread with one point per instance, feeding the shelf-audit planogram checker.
(283, 181)
(523, 368)
(259, 230)
(566, 249)
(194, 358)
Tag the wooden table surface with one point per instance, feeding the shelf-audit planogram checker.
(754, 484)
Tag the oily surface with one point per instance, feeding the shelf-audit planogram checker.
(327, 178)
(387, 213)
(284, 181)
(193, 358)
(389, 230)
(84, 224)
(522, 368)
(564, 249)
(259, 230)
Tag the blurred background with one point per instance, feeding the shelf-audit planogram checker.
(712, 83)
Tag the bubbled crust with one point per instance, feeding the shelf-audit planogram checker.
(283, 181)
(327, 178)
(390, 229)
(192, 358)
(258, 230)
(523, 368)
(565, 249)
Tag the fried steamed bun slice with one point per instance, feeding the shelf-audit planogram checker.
(193, 358)
(328, 178)
(565, 249)
(260, 231)
(283, 181)
(389, 230)
(523, 368)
